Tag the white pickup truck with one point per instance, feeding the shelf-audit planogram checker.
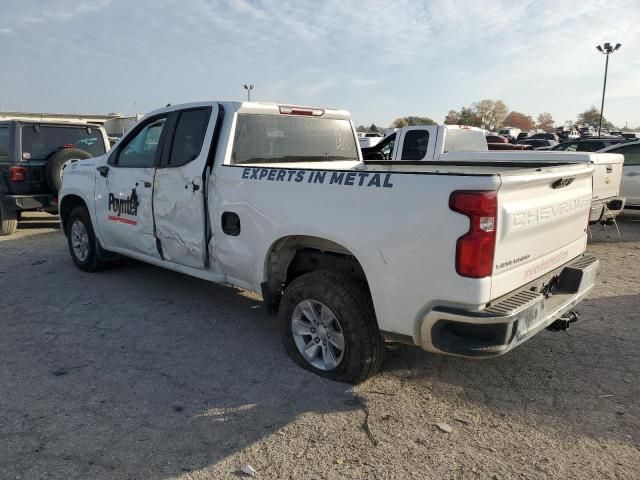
(432, 143)
(467, 259)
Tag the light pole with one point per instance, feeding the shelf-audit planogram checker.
(605, 49)
(248, 88)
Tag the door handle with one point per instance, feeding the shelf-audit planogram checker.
(147, 184)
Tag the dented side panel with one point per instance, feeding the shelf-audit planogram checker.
(179, 215)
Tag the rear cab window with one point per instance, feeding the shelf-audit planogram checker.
(285, 139)
(464, 140)
(415, 145)
(40, 141)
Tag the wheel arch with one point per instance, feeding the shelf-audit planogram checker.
(293, 255)
(67, 204)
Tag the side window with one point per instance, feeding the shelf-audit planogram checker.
(4, 142)
(189, 135)
(140, 150)
(590, 147)
(631, 154)
(415, 145)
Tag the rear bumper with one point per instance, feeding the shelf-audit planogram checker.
(603, 210)
(18, 203)
(512, 319)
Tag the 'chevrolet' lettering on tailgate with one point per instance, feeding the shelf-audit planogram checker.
(534, 216)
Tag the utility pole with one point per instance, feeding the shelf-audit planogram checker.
(607, 50)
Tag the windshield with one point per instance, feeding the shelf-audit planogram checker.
(38, 145)
(273, 138)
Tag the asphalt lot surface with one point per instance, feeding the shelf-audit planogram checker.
(139, 372)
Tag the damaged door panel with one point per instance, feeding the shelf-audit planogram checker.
(178, 197)
(124, 190)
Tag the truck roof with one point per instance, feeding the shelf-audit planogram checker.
(54, 122)
(262, 108)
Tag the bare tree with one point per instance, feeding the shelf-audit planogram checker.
(546, 122)
(491, 112)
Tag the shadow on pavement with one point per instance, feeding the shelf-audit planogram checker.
(138, 372)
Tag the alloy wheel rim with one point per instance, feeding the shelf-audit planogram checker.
(318, 334)
(80, 240)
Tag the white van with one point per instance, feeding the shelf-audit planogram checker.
(509, 132)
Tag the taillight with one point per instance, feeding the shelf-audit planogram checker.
(17, 174)
(475, 249)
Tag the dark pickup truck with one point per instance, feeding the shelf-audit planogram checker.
(32, 158)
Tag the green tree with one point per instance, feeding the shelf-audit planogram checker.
(412, 121)
(373, 128)
(546, 122)
(452, 118)
(591, 117)
(469, 117)
(361, 128)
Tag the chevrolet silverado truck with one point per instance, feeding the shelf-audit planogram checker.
(32, 158)
(457, 257)
(431, 143)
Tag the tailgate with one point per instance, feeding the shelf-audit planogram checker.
(607, 175)
(542, 223)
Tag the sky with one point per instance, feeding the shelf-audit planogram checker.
(378, 59)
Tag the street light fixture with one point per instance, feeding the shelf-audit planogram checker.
(606, 49)
(248, 88)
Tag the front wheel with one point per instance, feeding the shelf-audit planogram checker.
(82, 240)
(329, 327)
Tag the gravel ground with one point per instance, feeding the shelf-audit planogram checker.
(138, 372)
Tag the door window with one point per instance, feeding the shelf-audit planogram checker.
(4, 143)
(140, 150)
(590, 146)
(415, 145)
(631, 154)
(189, 136)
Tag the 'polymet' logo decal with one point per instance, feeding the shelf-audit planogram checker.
(119, 206)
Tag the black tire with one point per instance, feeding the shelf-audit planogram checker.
(351, 303)
(53, 171)
(91, 263)
(8, 221)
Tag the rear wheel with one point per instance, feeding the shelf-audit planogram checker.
(329, 326)
(8, 221)
(82, 240)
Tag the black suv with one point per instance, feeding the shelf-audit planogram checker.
(32, 157)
